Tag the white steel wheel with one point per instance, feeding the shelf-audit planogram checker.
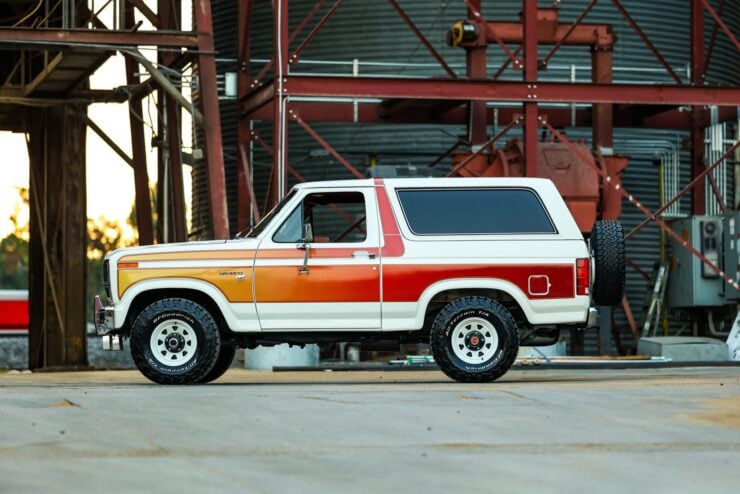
(474, 340)
(173, 343)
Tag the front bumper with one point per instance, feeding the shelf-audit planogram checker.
(104, 322)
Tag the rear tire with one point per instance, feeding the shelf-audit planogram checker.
(225, 358)
(607, 250)
(175, 341)
(474, 339)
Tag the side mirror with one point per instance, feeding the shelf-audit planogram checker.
(307, 233)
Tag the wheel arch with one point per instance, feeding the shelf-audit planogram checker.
(143, 294)
(439, 294)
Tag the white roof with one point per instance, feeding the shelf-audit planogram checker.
(432, 182)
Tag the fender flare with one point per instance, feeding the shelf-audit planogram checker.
(471, 284)
(208, 289)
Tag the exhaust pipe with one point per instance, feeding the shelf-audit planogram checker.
(112, 342)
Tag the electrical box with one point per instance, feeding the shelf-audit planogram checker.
(731, 258)
(691, 283)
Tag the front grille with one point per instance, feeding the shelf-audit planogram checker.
(106, 277)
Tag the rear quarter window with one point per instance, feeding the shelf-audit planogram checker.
(457, 211)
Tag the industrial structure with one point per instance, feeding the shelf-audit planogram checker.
(627, 106)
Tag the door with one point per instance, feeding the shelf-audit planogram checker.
(329, 282)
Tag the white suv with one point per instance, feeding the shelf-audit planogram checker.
(474, 266)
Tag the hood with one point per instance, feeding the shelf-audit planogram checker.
(215, 245)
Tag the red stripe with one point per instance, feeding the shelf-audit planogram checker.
(406, 283)
(13, 314)
(392, 242)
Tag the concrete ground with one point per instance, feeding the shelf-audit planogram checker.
(605, 431)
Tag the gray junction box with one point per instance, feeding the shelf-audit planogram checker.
(691, 283)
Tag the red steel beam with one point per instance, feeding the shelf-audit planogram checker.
(647, 41)
(487, 145)
(296, 118)
(713, 39)
(476, 69)
(566, 36)
(698, 72)
(369, 113)
(550, 92)
(244, 189)
(423, 39)
(474, 7)
(56, 37)
(212, 120)
(531, 125)
(144, 223)
(299, 28)
(581, 35)
(329, 13)
(614, 183)
(690, 186)
(247, 177)
(721, 24)
(603, 113)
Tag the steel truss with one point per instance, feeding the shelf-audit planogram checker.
(176, 49)
(285, 97)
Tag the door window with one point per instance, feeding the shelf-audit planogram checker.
(335, 217)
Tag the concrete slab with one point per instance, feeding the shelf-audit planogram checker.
(657, 430)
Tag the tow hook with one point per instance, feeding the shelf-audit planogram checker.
(112, 342)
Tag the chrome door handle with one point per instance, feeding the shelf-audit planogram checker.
(363, 253)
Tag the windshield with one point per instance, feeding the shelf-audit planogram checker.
(262, 224)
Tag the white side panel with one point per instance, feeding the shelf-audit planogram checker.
(332, 316)
(404, 316)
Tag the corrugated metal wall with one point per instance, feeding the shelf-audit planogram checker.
(371, 32)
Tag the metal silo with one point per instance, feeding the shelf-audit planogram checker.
(368, 38)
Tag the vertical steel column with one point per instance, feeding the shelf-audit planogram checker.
(170, 149)
(212, 118)
(278, 179)
(138, 146)
(244, 138)
(602, 73)
(475, 60)
(531, 124)
(697, 131)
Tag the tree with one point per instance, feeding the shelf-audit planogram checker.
(14, 247)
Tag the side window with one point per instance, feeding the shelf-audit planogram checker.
(334, 217)
(474, 211)
(290, 231)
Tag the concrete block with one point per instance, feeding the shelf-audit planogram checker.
(684, 348)
(265, 358)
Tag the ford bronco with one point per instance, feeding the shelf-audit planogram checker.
(476, 267)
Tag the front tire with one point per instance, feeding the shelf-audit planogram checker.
(474, 339)
(224, 361)
(175, 341)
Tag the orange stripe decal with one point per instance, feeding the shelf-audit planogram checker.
(211, 255)
(322, 284)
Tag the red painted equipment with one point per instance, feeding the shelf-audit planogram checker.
(13, 311)
(577, 181)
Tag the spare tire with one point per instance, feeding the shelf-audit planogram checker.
(607, 254)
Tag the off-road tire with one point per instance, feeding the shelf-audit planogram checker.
(196, 317)
(225, 358)
(607, 251)
(454, 315)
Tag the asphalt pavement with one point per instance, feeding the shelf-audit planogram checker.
(559, 431)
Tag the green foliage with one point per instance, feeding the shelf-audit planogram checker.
(14, 263)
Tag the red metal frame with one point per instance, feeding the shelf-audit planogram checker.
(265, 101)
